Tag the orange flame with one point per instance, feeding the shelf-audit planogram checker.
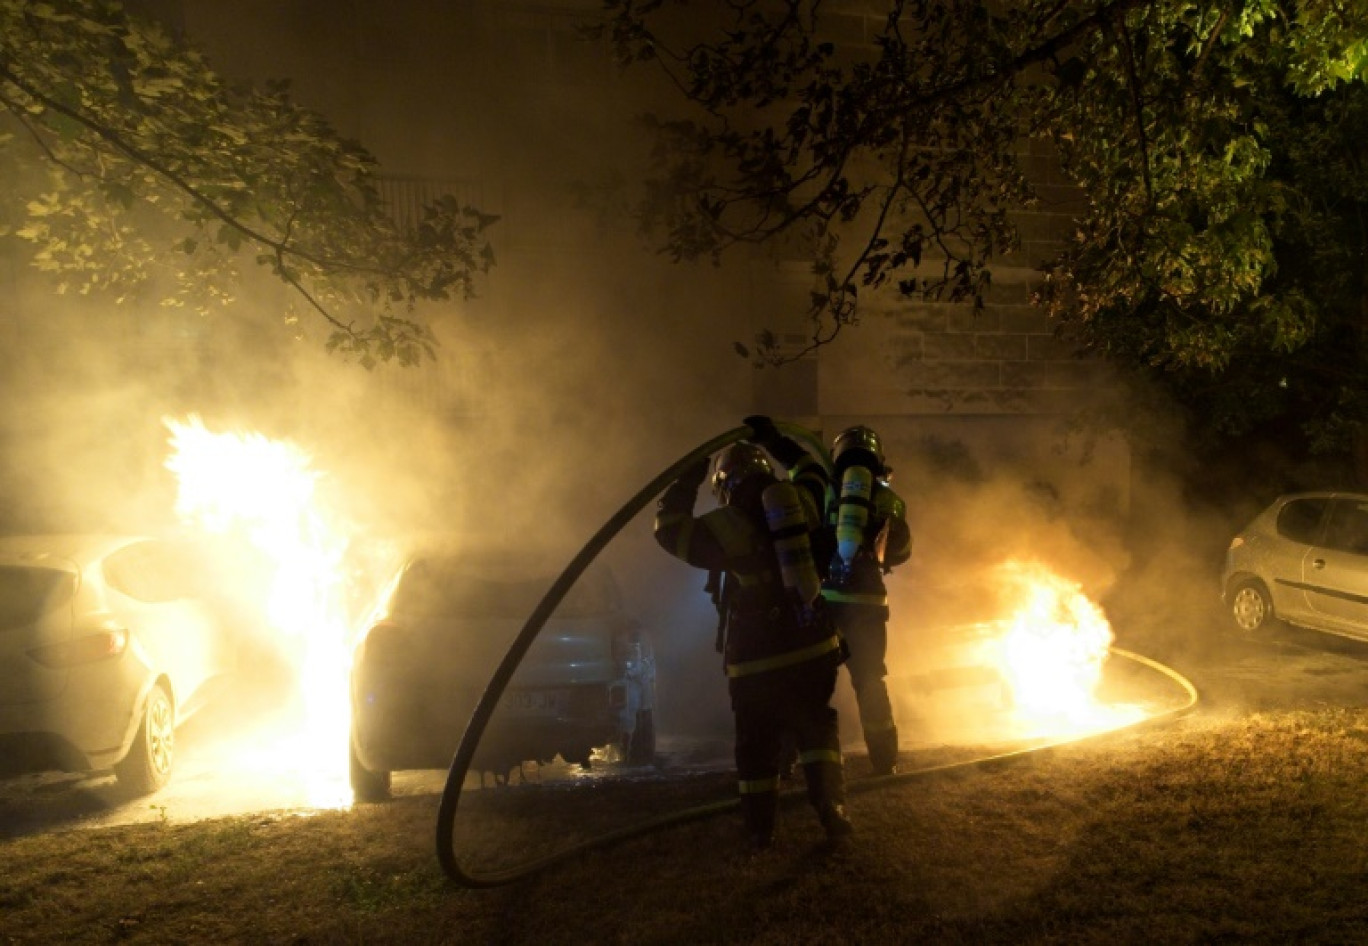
(1053, 653)
(262, 494)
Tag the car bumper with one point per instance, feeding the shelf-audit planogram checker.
(398, 733)
(90, 726)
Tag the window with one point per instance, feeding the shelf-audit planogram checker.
(1300, 519)
(26, 594)
(451, 587)
(1347, 530)
(153, 571)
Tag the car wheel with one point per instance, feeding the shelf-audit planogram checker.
(642, 746)
(147, 767)
(1251, 609)
(367, 786)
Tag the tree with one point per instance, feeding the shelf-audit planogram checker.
(1218, 147)
(134, 169)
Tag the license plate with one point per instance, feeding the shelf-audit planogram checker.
(534, 702)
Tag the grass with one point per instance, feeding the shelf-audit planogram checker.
(1218, 828)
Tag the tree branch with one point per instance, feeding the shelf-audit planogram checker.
(139, 157)
(1137, 103)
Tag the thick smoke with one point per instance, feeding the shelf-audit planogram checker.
(586, 366)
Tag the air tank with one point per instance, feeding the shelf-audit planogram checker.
(852, 512)
(788, 528)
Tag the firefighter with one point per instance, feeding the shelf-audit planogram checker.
(780, 652)
(871, 537)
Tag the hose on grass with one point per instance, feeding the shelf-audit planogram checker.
(479, 720)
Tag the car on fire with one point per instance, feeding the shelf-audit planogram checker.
(585, 688)
(106, 646)
(1303, 560)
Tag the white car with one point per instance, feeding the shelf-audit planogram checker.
(106, 646)
(1303, 560)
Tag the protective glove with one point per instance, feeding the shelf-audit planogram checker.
(693, 477)
(763, 430)
(680, 496)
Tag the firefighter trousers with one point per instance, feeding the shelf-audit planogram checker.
(865, 628)
(795, 700)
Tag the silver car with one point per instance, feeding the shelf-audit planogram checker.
(1303, 560)
(105, 648)
(422, 663)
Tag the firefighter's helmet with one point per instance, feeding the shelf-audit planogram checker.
(857, 446)
(736, 468)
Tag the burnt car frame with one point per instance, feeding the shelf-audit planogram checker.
(423, 660)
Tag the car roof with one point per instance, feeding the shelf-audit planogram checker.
(52, 549)
(489, 559)
(502, 568)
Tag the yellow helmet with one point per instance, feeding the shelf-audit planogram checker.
(735, 466)
(857, 445)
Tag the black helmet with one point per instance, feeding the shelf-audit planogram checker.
(735, 466)
(857, 446)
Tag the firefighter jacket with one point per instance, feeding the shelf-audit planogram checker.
(764, 630)
(887, 542)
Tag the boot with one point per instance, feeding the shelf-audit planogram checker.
(883, 751)
(836, 822)
(757, 812)
(826, 792)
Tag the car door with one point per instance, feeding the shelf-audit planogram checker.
(1280, 554)
(1335, 572)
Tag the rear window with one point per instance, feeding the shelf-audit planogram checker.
(1300, 519)
(434, 587)
(154, 571)
(26, 594)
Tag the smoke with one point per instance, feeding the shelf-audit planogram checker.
(586, 367)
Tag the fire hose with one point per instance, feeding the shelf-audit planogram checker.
(484, 710)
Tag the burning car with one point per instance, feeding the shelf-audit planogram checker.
(1303, 560)
(106, 646)
(1031, 665)
(422, 663)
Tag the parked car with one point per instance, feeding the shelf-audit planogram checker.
(421, 665)
(106, 646)
(1302, 560)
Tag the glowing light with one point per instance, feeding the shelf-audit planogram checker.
(1052, 655)
(261, 494)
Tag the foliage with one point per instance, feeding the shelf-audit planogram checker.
(1222, 244)
(1217, 146)
(135, 169)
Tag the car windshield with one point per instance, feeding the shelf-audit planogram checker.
(433, 587)
(28, 593)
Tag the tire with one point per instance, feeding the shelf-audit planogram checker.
(641, 746)
(367, 786)
(1251, 609)
(147, 767)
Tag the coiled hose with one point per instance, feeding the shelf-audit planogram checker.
(470, 740)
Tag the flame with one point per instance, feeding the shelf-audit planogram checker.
(1052, 655)
(262, 495)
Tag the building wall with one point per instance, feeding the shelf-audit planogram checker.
(585, 337)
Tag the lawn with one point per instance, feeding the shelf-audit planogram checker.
(1224, 826)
